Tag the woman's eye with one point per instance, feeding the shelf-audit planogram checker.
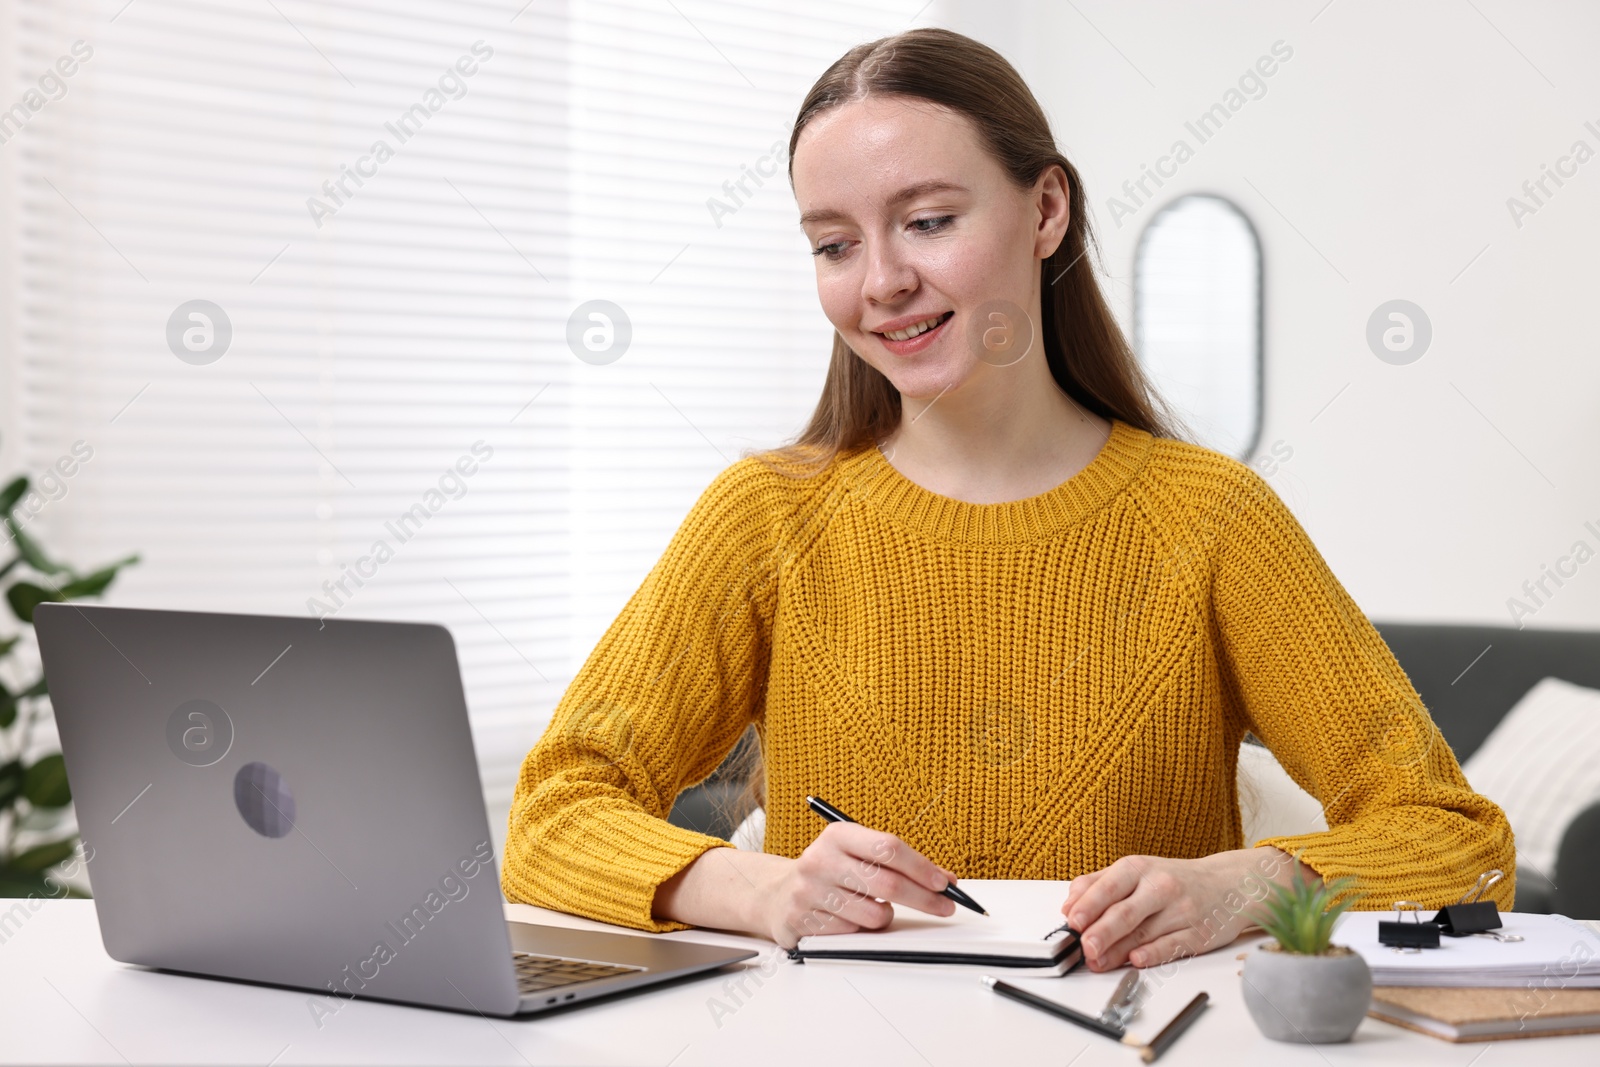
(834, 250)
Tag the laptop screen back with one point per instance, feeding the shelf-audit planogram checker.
(281, 800)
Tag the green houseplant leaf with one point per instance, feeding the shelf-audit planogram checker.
(25, 596)
(10, 783)
(43, 857)
(45, 783)
(95, 583)
(22, 883)
(30, 551)
(12, 493)
(34, 799)
(9, 702)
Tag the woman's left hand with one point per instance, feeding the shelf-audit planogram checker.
(1146, 910)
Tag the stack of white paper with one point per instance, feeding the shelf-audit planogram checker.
(1556, 952)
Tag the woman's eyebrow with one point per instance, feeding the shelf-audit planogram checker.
(910, 192)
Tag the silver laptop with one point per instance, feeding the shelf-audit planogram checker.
(297, 803)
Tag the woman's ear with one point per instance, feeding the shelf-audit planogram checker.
(1052, 198)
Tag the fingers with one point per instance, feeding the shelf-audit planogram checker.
(1133, 946)
(813, 922)
(854, 909)
(847, 880)
(1117, 954)
(875, 864)
(887, 850)
(1123, 926)
(1106, 887)
(1077, 888)
(1146, 910)
(811, 906)
(885, 884)
(1149, 908)
(1165, 948)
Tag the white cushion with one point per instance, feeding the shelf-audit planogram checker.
(752, 833)
(1270, 802)
(1541, 764)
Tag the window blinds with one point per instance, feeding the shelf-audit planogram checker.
(301, 277)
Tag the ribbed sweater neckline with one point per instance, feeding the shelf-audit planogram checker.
(1033, 518)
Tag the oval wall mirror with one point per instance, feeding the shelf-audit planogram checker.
(1197, 318)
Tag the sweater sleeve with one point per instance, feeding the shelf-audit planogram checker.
(1315, 681)
(661, 700)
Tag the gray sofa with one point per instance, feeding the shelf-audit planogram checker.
(1466, 707)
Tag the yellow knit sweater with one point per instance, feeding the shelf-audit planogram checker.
(1028, 689)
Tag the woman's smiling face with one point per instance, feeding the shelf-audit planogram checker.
(912, 222)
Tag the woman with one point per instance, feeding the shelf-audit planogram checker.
(989, 603)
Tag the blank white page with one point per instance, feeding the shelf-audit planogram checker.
(1021, 913)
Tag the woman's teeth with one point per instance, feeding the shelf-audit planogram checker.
(922, 327)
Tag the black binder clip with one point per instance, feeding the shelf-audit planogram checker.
(1475, 913)
(1413, 936)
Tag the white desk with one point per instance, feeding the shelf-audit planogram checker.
(62, 1000)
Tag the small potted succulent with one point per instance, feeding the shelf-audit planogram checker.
(1299, 987)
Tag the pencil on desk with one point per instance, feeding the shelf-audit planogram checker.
(1169, 1033)
(1148, 1050)
(1088, 1022)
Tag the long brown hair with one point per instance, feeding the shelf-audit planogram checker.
(1088, 355)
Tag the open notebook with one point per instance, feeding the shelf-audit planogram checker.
(1023, 933)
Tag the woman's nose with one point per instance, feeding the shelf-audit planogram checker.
(890, 272)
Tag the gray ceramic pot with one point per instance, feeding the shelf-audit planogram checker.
(1313, 1000)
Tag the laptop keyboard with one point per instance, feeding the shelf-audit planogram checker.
(536, 972)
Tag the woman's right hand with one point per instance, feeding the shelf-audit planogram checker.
(845, 881)
(841, 883)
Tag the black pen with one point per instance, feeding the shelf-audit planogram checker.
(833, 814)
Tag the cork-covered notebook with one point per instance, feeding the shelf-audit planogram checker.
(1469, 1014)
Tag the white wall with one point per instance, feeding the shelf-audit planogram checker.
(1377, 165)
(10, 409)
